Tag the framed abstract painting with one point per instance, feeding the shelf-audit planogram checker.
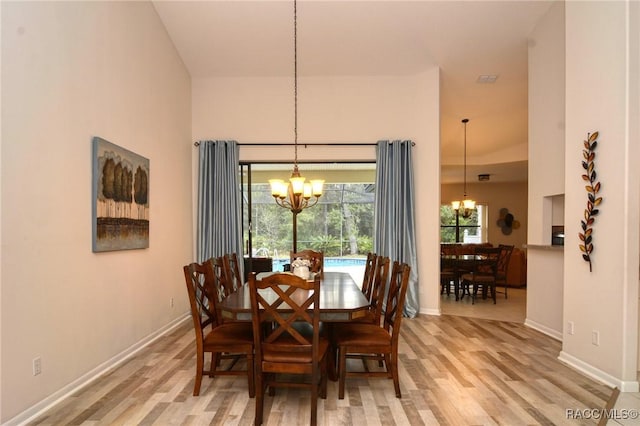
(120, 198)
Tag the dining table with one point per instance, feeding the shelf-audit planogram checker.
(463, 262)
(340, 299)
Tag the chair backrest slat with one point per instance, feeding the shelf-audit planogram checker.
(395, 299)
(222, 281)
(489, 263)
(202, 295)
(378, 288)
(232, 270)
(503, 259)
(284, 301)
(369, 272)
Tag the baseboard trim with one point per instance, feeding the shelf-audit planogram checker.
(597, 374)
(36, 410)
(543, 329)
(430, 311)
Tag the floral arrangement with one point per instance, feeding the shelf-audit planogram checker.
(298, 262)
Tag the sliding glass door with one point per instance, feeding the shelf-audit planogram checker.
(340, 224)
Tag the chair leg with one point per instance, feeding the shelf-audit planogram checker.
(215, 362)
(332, 364)
(199, 368)
(392, 364)
(314, 401)
(342, 371)
(505, 289)
(465, 289)
(260, 389)
(323, 379)
(251, 375)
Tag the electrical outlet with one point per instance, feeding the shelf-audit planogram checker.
(570, 327)
(595, 338)
(171, 302)
(37, 366)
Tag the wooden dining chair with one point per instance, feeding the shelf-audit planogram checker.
(223, 280)
(503, 266)
(232, 271)
(483, 276)
(315, 257)
(379, 278)
(449, 273)
(378, 288)
(357, 340)
(213, 336)
(369, 272)
(286, 326)
(449, 278)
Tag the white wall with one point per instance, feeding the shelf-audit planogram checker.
(602, 95)
(71, 71)
(512, 196)
(337, 109)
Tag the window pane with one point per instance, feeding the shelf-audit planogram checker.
(471, 229)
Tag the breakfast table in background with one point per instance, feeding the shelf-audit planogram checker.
(456, 265)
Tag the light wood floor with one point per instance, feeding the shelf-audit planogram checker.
(454, 371)
(511, 309)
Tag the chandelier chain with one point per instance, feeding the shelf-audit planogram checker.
(295, 80)
(465, 157)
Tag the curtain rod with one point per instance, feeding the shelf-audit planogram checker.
(304, 144)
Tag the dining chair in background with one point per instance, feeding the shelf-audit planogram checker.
(232, 270)
(212, 336)
(483, 276)
(367, 279)
(379, 278)
(447, 280)
(503, 266)
(223, 281)
(316, 258)
(378, 288)
(358, 340)
(449, 275)
(286, 326)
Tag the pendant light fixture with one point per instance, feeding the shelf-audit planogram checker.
(296, 194)
(467, 205)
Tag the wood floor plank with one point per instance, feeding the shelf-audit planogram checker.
(454, 370)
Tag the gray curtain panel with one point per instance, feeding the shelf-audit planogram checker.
(219, 208)
(395, 220)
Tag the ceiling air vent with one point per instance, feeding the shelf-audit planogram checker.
(487, 79)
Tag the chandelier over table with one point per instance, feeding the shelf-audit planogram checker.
(296, 194)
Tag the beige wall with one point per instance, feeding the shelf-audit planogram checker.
(546, 171)
(568, 98)
(337, 109)
(606, 299)
(71, 71)
(512, 196)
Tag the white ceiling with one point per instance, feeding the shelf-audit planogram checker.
(465, 39)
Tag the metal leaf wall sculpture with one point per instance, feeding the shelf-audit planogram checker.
(593, 201)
